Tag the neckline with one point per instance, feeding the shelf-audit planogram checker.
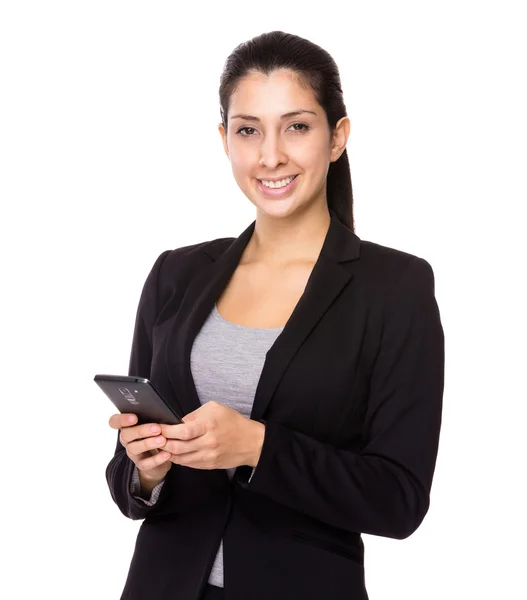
(237, 325)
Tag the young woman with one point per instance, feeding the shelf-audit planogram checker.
(309, 365)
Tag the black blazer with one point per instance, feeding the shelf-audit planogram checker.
(351, 394)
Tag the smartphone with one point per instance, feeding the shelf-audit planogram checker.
(139, 396)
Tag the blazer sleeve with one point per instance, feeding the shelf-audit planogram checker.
(119, 471)
(383, 489)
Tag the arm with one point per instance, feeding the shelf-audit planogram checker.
(120, 468)
(384, 489)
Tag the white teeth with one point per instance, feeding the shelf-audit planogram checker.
(278, 184)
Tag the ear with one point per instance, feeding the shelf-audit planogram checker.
(223, 134)
(340, 138)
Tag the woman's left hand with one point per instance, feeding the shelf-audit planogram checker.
(214, 437)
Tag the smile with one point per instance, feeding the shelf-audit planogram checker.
(278, 184)
(280, 188)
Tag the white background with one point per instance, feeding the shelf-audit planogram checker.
(110, 154)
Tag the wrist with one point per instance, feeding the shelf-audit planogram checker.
(145, 477)
(148, 481)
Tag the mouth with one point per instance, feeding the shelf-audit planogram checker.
(277, 191)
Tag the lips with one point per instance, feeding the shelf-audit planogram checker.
(277, 192)
(275, 179)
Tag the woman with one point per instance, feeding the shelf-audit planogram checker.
(308, 363)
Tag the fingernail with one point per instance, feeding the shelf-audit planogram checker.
(154, 428)
(159, 440)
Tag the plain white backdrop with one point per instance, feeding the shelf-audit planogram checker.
(110, 154)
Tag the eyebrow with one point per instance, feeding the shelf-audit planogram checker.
(293, 113)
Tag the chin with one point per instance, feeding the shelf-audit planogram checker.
(277, 208)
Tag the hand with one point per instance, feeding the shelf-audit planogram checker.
(214, 437)
(142, 444)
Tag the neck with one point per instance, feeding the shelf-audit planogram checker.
(281, 241)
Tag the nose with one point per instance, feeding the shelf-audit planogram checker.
(271, 153)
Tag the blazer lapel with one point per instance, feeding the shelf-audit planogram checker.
(328, 277)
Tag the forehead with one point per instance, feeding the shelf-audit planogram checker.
(273, 94)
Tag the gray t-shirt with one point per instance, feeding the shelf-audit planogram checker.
(226, 362)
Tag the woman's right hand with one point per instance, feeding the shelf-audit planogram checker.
(141, 443)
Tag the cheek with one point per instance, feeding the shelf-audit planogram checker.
(315, 161)
(310, 153)
(317, 151)
(311, 156)
(242, 160)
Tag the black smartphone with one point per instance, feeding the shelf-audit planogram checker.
(139, 396)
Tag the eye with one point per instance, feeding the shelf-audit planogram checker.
(306, 128)
(244, 129)
(303, 125)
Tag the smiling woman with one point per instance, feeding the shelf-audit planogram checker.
(308, 365)
(273, 153)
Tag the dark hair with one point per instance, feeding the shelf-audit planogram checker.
(315, 70)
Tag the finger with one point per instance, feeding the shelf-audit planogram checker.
(151, 462)
(196, 460)
(122, 420)
(182, 446)
(130, 434)
(141, 446)
(183, 431)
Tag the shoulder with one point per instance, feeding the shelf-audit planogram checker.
(384, 268)
(390, 269)
(193, 255)
(173, 268)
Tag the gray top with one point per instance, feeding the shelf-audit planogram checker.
(226, 362)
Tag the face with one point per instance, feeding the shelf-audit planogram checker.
(266, 143)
